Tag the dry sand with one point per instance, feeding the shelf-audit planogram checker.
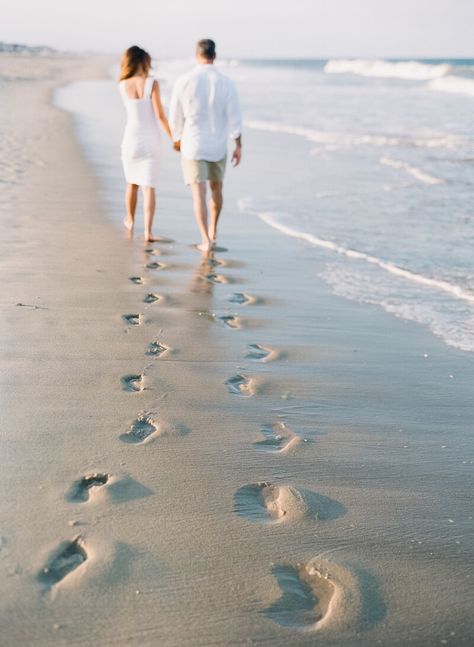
(162, 481)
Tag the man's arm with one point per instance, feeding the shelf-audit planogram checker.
(234, 117)
(237, 154)
(176, 119)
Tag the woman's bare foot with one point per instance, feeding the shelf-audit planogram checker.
(151, 239)
(128, 222)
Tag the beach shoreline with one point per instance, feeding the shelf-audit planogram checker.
(263, 457)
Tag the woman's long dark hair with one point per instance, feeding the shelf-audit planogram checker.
(134, 60)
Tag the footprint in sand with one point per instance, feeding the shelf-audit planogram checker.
(133, 319)
(138, 280)
(69, 556)
(278, 438)
(259, 353)
(163, 240)
(152, 298)
(318, 592)
(153, 252)
(232, 321)
(217, 278)
(269, 503)
(240, 385)
(156, 349)
(266, 502)
(140, 430)
(133, 383)
(215, 262)
(306, 598)
(154, 265)
(80, 490)
(242, 299)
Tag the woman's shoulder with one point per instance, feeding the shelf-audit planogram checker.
(152, 83)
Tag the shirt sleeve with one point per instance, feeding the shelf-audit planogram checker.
(176, 115)
(234, 115)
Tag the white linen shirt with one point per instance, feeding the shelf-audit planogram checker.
(204, 111)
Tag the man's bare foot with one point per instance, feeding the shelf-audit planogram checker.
(128, 222)
(205, 247)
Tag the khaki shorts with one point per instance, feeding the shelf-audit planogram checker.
(195, 171)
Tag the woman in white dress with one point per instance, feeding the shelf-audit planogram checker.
(141, 140)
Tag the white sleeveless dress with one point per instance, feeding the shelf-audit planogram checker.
(141, 139)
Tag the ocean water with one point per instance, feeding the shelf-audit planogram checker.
(389, 197)
(383, 197)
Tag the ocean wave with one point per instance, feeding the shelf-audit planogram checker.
(454, 84)
(452, 289)
(415, 172)
(333, 141)
(408, 70)
(455, 326)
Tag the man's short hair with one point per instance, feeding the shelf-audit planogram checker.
(206, 48)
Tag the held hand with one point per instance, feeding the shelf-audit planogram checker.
(237, 156)
(177, 146)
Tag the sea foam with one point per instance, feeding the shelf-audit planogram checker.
(409, 70)
(454, 84)
(334, 140)
(436, 284)
(417, 173)
(454, 325)
(439, 75)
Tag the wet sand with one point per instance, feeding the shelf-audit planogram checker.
(210, 451)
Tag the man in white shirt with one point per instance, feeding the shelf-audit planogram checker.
(204, 111)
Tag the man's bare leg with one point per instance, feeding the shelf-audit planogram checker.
(131, 195)
(198, 191)
(149, 203)
(217, 201)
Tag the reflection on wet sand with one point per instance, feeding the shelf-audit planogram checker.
(205, 276)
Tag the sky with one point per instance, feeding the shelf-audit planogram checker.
(247, 28)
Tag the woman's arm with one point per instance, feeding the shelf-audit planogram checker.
(176, 117)
(158, 108)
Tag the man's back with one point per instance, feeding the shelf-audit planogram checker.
(204, 111)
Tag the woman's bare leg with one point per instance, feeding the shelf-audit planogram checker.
(131, 195)
(149, 203)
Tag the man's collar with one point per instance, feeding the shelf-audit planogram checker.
(204, 66)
